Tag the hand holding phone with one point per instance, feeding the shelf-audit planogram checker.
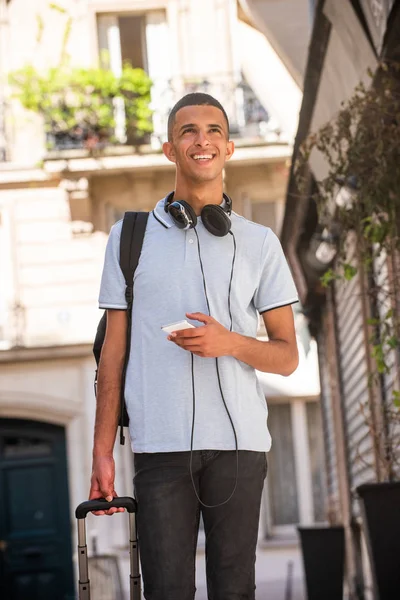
(177, 326)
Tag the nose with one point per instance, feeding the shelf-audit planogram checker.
(202, 139)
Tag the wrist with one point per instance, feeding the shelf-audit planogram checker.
(101, 452)
(235, 344)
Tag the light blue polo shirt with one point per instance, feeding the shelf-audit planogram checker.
(168, 283)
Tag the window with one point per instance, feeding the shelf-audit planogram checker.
(137, 38)
(281, 467)
(2, 299)
(24, 446)
(315, 443)
(113, 214)
(265, 214)
(124, 39)
(7, 283)
(295, 487)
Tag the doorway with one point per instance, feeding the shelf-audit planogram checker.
(35, 532)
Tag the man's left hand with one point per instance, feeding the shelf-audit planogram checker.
(209, 341)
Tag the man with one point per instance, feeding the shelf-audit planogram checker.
(221, 283)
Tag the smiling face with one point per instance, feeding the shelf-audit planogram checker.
(199, 145)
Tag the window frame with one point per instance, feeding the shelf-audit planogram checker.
(268, 530)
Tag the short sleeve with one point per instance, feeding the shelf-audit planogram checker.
(112, 287)
(276, 287)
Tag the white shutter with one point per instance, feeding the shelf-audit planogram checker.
(159, 69)
(110, 42)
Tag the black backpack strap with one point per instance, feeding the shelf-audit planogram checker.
(127, 231)
(132, 236)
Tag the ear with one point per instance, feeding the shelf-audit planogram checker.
(169, 151)
(230, 149)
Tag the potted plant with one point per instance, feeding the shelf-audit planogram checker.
(360, 195)
(79, 106)
(323, 553)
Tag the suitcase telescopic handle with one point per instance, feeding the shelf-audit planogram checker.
(101, 504)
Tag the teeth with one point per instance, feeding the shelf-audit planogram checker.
(202, 157)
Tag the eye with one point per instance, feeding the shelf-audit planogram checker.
(188, 130)
(215, 130)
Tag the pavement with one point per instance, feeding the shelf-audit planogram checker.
(279, 575)
(275, 566)
(271, 590)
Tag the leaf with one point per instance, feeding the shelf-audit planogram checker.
(70, 98)
(373, 321)
(393, 342)
(40, 29)
(327, 278)
(57, 7)
(349, 271)
(379, 355)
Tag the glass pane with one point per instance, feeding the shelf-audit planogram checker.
(316, 449)
(281, 467)
(131, 29)
(265, 214)
(25, 447)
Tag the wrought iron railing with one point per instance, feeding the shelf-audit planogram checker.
(247, 116)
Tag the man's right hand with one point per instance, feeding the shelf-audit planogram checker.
(102, 483)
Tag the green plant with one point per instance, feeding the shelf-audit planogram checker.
(82, 104)
(77, 101)
(361, 146)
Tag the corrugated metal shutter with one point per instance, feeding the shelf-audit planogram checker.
(386, 270)
(328, 426)
(353, 367)
(395, 277)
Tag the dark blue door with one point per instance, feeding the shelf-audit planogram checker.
(35, 533)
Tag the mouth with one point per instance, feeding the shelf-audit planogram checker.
(203, 159)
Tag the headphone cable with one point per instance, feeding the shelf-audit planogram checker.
(219, 384)
(230, 282)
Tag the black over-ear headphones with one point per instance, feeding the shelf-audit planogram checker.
(215, 218)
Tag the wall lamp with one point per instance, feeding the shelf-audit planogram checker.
(347, 193)
(323, 248)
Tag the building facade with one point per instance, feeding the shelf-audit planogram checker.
(56, 208)
(348, 39)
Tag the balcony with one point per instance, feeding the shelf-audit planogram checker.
(250, 124)
(92, 113)
(249, 121)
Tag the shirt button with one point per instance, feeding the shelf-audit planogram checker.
(191, 241)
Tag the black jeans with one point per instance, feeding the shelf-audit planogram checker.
(168, 522)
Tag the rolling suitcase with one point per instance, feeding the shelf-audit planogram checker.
(92, 505)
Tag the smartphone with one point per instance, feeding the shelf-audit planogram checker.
(177, 326)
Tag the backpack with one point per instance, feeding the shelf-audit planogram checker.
(131, 242)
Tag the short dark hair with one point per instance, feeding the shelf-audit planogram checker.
(194, 99)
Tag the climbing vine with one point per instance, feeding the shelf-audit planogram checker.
(360, 196)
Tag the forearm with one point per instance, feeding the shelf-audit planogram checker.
(273, 356)
(108, 403)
